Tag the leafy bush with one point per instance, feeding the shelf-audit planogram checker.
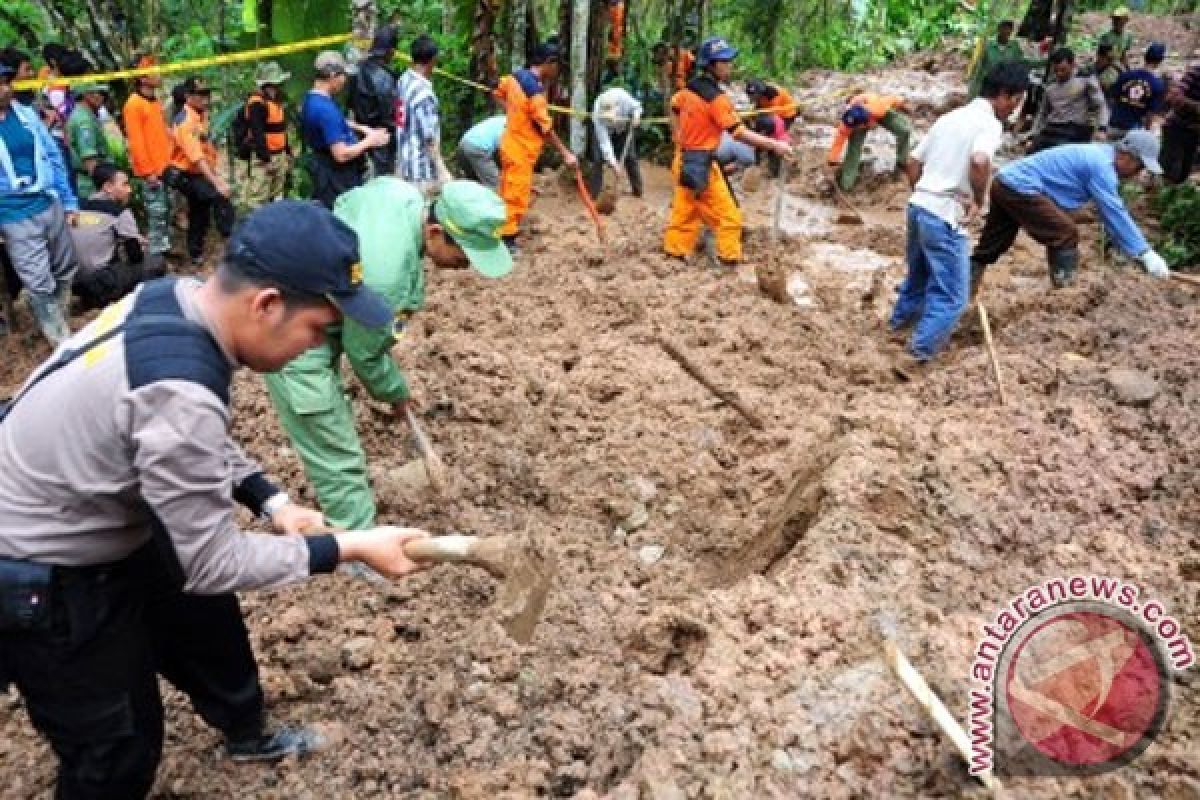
(1179, 211)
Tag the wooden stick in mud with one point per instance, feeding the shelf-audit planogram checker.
(691, 368)
(991, 348)
(1191, 279)
(841, 196)
(781, 192)
(934, 707)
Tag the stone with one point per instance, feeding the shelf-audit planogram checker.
(1132, 387)
(781, 761)
(651, 554)
(358, 653)
(637, 519)
(294, 623)
(322, 663)
(644, 490)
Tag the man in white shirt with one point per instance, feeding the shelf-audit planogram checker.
(950, 171)
(615, 115)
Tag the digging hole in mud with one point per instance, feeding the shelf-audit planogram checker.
(785, 527)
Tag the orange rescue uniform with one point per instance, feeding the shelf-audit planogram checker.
(149, 139)
(192, 144)
(528, 122)
(782, 104)
(877, 106)
(616, 29)
(276, 127)
(703, 111)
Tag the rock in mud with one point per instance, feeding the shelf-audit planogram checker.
(651, 554)
(358, 653)
(1132, 387)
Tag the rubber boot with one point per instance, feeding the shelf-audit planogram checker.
(49, 317)
(1062, 267)
(62, 296)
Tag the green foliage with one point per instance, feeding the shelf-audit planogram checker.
(1179, 211)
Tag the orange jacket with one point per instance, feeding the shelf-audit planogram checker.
(149, 139)
(782, 104)
(191, 142)
(704, 111)
(877, 106)
(527, 112)
(616, 29)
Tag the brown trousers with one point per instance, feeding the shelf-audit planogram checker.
(1040, 216)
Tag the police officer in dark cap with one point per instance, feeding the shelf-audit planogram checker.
(373, 96)
(119, 552)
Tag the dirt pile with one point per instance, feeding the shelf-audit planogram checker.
(713, 629)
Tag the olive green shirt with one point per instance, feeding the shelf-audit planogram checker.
(86, 138)
(1119, 42)
(389, 217)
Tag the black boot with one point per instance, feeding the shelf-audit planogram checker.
(1062, 267)
(284, 742)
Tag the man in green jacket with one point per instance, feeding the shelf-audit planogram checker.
(394, 232)
(85, 135)
(996, 51)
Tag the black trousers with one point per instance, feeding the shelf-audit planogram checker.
(109, 284)
(205, 203)
(1054, 135)
(1178, 152)
(331, 179)
(90, 682)
(596, 175)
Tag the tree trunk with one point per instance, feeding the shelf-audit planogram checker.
(520, 18)
(580, 13)
(483, 56)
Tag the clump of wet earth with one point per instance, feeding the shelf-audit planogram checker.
(694, 645)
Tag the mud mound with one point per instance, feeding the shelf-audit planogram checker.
(712, 628)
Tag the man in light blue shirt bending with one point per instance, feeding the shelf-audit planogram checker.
(1036, 193)
(477, 151)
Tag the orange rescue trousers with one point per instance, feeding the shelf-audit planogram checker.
(714, 207)
(516, 188)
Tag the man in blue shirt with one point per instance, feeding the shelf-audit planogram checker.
(477, 151)
(1037, 192)
(36, 205)
(1137, 94)
(335, 154)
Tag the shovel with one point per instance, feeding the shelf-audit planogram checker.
(434, 467)
(525, 572)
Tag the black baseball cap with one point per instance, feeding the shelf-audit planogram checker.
(302, 246)
(196, 85)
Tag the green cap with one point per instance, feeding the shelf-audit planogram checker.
(90, 86)
(472, 214)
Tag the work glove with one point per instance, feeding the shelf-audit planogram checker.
(637, 120)
(1154, 264)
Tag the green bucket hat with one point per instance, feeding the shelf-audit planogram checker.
(472, 215)
(270, 72)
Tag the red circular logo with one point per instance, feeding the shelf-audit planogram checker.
(1085, 689)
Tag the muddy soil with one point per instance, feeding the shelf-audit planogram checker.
(689, 650)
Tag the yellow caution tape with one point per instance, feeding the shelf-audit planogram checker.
(191, 63)
(262, 53)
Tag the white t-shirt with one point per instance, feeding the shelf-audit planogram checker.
(946, 154)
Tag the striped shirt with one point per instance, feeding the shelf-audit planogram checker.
(418, 131)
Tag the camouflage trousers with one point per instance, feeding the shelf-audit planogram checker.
(157, 201)
(260, 183)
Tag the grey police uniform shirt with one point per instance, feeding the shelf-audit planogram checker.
(85, 460)
(96, 234)
(1074, 102)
